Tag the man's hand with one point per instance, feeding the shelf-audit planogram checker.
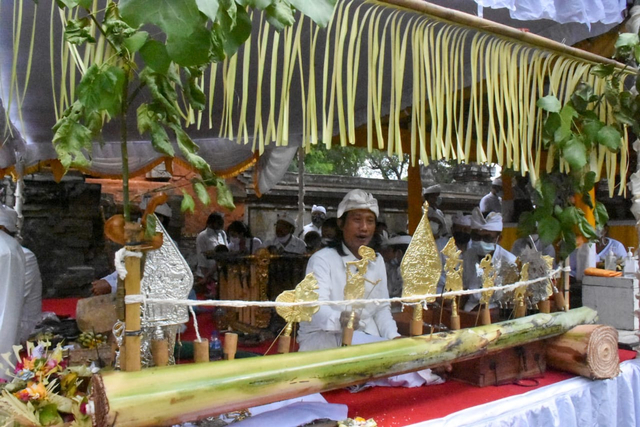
(344, 320)
(100, 287)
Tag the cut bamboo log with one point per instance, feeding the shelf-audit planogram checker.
(230, 345)
(587, 350)
(160, 352)
(132, 361)
(171, 395)
(201, 351)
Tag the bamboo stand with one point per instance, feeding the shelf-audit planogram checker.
(485, 315)
(416, 321)
(160, 352)
(231, 345)
(132, 313)
(455, 318)
(201, 351)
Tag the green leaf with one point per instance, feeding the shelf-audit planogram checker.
(602, 70)
(590, 130)
(624, 118)
(76, 31)
(70, 139)
(187, 203)
(155, 56)
(609, 137)
(628, 40)
(580, 98)
(601, 215)
(575, 153)
(320, 11)
(150, 229)
(589, 181)
(279, 15)
(101, 88)
(209, 8)
(188, 39)
(148, 121)
(239, 33)
(258, 4)
(549, 229)
(194, 94)
(587, 229)
(549, 103)
(48, 415)
(188, 149)
(136, 41)
(201, 192)
(569, 216)
(225, 198)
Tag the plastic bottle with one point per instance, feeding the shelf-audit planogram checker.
(610, 261)
(630, 264)
(215, 346)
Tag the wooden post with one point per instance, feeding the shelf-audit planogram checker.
(485, 315)
(160, 352)
(544, 306)
(414, 196)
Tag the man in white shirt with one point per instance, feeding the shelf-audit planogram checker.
(492, 202)
(318, 215)
(285, 242)
(357, 214)
(485, 235)
(206, 243)
(12, 283)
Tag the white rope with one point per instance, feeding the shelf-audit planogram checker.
(195, 323)
(121, 254)
(416, 299)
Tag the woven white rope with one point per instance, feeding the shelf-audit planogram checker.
(416, 299)
(119, 257)
(195, 323)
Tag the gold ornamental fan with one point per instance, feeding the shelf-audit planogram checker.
(304, 291)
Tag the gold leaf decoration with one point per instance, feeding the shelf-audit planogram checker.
(304, 291)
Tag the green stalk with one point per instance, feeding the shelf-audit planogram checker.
(171, 395)
(123, 143)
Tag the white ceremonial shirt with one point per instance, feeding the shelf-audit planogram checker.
(12, 278)
(470, 277)
(330, 268)
(206, 241)
(310, 227)
(32, 307)
(252, 244)
(491, 203)
(294, 245)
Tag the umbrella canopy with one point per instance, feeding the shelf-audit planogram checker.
(403, 76)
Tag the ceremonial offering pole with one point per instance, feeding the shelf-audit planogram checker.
(176, 394)
(453, 268)
(420, 269)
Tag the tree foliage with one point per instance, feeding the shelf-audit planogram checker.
(188, 35)
(575, 129)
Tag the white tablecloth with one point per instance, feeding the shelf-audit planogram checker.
(577, 402)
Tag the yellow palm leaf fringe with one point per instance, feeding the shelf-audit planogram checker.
(467, 93)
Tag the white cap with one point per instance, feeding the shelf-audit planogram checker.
(320, 209)
(434, 189)
(358, 199)
(497, 182)
(493, 221)
(462, 220)
(8, 219)
(286, 218)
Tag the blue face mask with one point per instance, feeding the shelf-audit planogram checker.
(487, 248)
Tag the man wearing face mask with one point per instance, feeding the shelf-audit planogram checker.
(485, 235)
(318, 216)
(461, 231)
(432, 196)
(285, 241)
(492, 202)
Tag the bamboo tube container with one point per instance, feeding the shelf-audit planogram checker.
(160, 352)
(544, 306)
(231, 345)
(166, 396)
(201, 351)
(485, 315)
(284, 344)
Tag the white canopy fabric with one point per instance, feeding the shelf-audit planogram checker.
(325, 90)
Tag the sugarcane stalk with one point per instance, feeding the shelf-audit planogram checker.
(171, 395)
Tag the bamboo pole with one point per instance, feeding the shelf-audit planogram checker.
(160, 352)
(458, 18)
(132, 337)
(230, 345)
(201, 351)
(171, 395)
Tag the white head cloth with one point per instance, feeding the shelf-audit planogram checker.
(462, 220)
(358, 199)
(320, 209)
(8, 218)
(286, 218)
(493, 221)
(433, 189)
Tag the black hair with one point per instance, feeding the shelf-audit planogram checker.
(375, 243)
(215, 217)
(240, 228)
